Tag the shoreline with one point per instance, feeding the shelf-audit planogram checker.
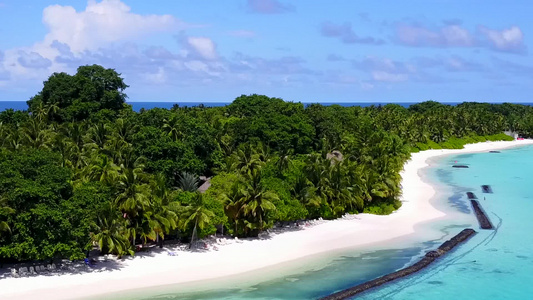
(233, 256)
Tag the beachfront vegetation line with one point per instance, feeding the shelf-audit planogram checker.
(80, 169)
(429, 258)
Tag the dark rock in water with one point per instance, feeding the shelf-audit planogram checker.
(486, 189)
(434, 253)
(446, 246)
(482, 218)
(421, 264)
(471, 195)
(493, 151)
(460, 166)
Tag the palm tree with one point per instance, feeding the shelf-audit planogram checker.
(14, 139)
(51, 110)
(233, 205)
(305, 193)
(130, 160)
(284, 160)
(134, 194)
(98, 135)
(102, 169)
(198, 214)
(172, 128)
(115, 147)
(4, 132)
(41, 112)
(263, 151)
(111, 237)
(316, 170)
(338, 190)
(257, 201)
(163, 211)
(65, 148)
(124, 130)
(5, 210)
(74, 131)
(226, 144)
(247, 159)
(35, 134)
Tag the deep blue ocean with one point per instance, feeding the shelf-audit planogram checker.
(21, 105)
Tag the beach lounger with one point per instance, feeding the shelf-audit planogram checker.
(32, 270)
(14, 273)
(41, 269)
(23, 271)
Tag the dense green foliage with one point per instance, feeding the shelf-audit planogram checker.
(91, 90)
(80, 168)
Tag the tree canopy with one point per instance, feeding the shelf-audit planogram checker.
(80, 169)
(67, 97)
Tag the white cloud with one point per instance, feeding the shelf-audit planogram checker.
(203, 46)
(107, 33)
(346, 34)
(447, 36)
(385, 69)
(505, 40)
(457, 36)
(33, 60)
(77, 37)
(159, 77)
(101, 23)
(454, 35)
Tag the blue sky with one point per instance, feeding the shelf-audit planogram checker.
(309, 51)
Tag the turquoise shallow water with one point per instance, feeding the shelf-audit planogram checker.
(496, 264)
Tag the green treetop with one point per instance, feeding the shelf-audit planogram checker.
(67, 97)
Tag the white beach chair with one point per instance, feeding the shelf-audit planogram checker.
(14, 273)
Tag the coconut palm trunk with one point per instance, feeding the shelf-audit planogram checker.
(193, 233)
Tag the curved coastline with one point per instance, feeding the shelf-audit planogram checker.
(235, 257)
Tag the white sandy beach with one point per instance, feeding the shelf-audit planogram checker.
(235, 256)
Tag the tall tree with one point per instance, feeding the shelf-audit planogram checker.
(76, 97)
